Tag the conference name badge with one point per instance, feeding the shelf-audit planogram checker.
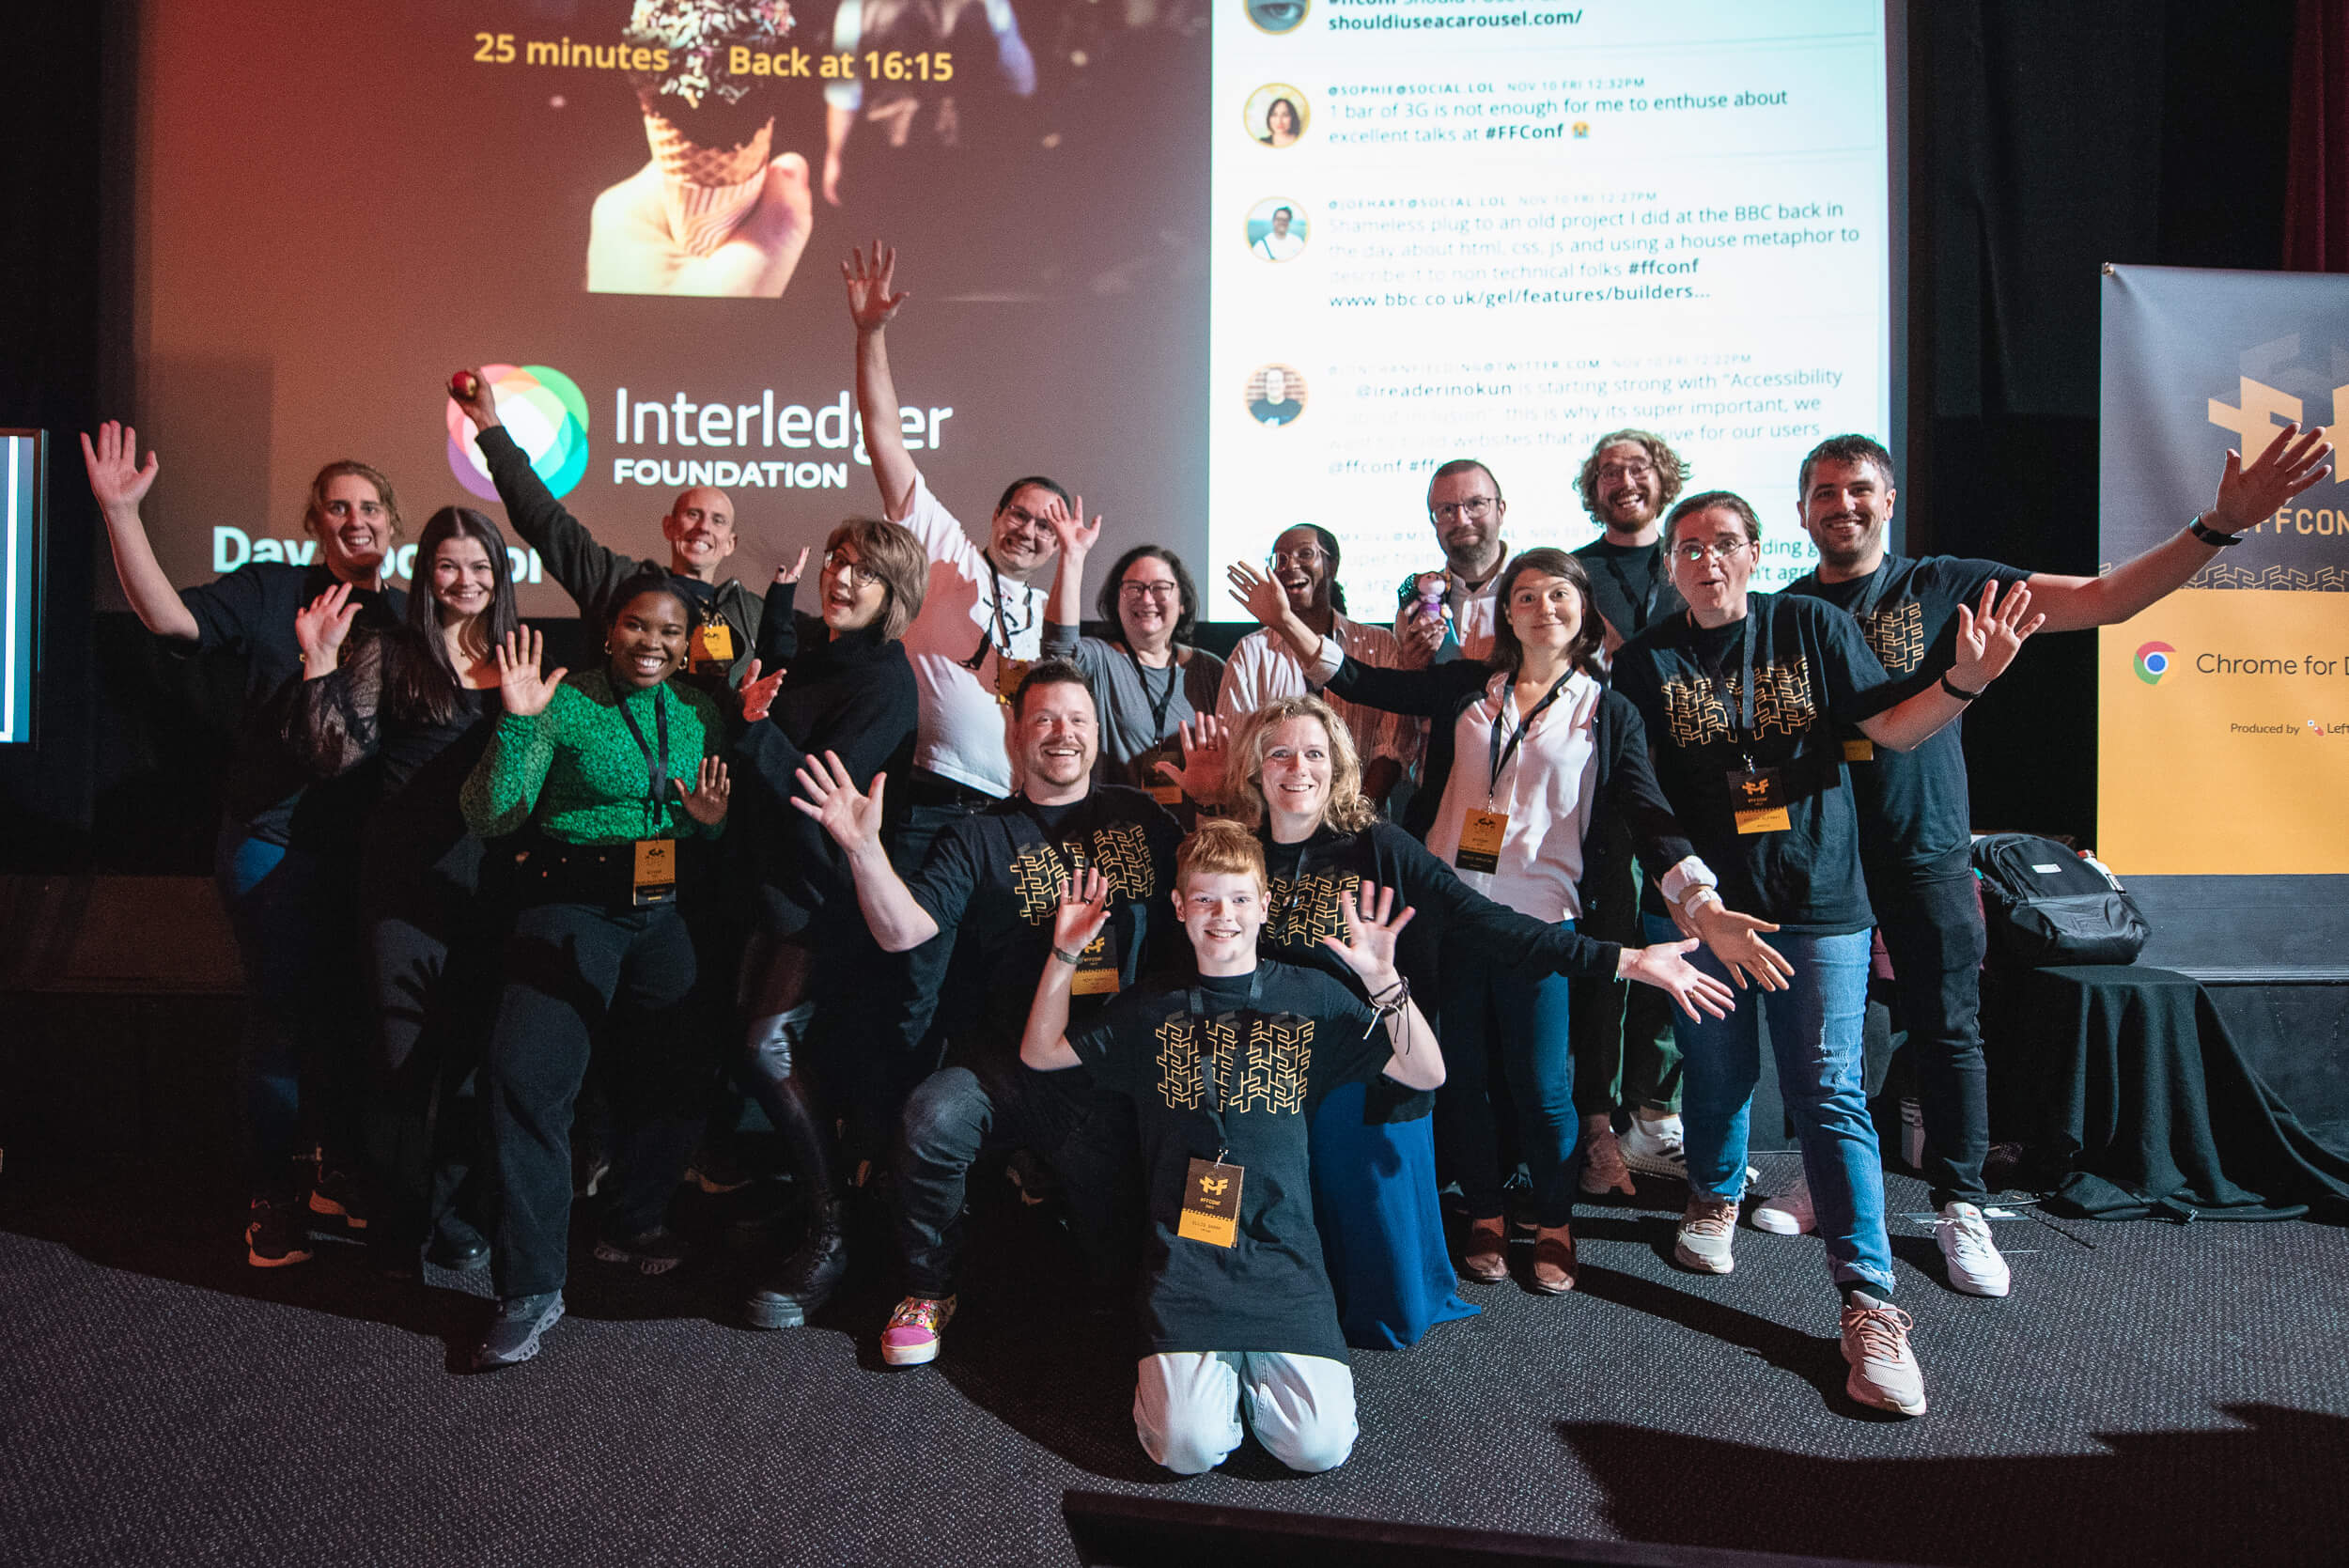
(1166, 794)
(1096, 970)
(1757, 796)
(1860, 751)
(1009, 673)
(1479, 840)
(713, 644)
(655, 872)
(1211, 1203)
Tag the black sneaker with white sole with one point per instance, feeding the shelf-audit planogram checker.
(513, 1334)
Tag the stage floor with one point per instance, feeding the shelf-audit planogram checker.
(2150, 1393)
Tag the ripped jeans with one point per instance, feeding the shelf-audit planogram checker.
(1814, 1037)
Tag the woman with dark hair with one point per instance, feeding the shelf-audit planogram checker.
(1282, 123)
(1293, 775)
(420, 700)
(819, 993)
(1543, 752)
(600, 778)
(1148, 680)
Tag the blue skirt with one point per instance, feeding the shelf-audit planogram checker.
(1381, 1226)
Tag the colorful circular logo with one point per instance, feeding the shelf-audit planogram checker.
(2153, 663)
(542, 409)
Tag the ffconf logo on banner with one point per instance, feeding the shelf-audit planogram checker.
(543, 411)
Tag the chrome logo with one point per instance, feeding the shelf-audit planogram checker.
(542, 409)
(2153, 663)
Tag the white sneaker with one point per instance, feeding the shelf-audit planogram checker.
(1707, 1228)
(1884, 1371)
(1787, 1213)
(1974, 1264)
(1656, 1148)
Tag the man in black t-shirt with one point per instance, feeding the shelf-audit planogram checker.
(1222, 1074)
(992, 882)
(1915, 825)
(1624, 1051)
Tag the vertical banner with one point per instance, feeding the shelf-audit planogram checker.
(2223, 711)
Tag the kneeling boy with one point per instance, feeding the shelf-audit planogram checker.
(1237, 1306)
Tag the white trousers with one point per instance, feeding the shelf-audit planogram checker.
(1187, 1407)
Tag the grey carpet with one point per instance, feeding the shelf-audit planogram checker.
(2149, 1394)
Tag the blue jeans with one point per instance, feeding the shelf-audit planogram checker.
(1488, 1011)
(1814, 1037)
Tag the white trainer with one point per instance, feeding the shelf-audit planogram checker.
(1707, 1228)
(1884, 1371)
(1787, 1213)
(1974, 1264)
(1656, 1148)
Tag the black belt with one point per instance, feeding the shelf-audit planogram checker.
(542, 869)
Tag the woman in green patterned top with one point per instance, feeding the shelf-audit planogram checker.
(598, 779)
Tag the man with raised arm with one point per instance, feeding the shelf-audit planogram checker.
(990, 887)
(1465, 507)
(1221, 1072)
(1915, 821)
(699, 527)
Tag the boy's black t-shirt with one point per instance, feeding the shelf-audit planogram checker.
(993, 883)
(1914, 812)
(1280, 1038)
(1631, 585)
(1813, 672)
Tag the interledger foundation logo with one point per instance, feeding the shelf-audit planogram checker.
(2153, 663)
(543, 411)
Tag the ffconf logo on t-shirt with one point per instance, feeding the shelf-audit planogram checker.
(542, 409)
(2153, 663)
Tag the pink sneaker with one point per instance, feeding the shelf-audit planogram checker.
(915, 1329)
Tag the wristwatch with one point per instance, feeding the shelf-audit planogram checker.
(2210, 536)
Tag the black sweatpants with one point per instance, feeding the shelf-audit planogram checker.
(1932, 928)
(579, 977)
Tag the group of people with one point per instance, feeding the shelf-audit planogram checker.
(1240, 952)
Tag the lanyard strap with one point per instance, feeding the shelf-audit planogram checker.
(1002, 627)
(655, 769)
(1877, 581)
(1205, 1057)
(1501, 755)
(1158, 704)
(1655, 585)
(1741, 734)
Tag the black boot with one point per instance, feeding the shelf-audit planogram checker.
(803, 1281)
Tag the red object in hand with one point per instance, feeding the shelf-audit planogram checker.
(463, 385)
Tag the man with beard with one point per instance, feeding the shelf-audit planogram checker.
(699, 529)
(1913, 809)
(1465, 506)
(1305, 563)
(1625, 1053)
(992, 885)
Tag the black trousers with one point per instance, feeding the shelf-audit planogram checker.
(960, 1114)
(933, 990)
(579, 977)
(1931, 922)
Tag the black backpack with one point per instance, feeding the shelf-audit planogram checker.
(2046, 904)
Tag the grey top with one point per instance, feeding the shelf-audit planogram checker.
(1130, 694)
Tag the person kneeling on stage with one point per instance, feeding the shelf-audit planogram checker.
(1239, 1312)
(602, 777)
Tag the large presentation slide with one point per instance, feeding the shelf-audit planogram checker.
(1221, 266)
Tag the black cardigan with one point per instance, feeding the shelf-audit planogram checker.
(1626, 782)
(853, 695)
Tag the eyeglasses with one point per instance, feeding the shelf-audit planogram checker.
(1148, 590)
(856, 573)
(1694, 551)
(1474, 508)
(1026, 518)
(1304, 555)
(1609, 471)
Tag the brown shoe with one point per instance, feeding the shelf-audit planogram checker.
(1603, 1169)
(1485, 1258)
(1553, 1260)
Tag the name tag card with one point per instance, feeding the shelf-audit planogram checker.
(1758, 798)
(1167, 794)
(655, 872)
(1097, 969)
(713, 644)
(1479, 840)
(1860, 751)
(1009, 673)
(1211, 1204)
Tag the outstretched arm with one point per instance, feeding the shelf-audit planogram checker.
(872, 304)
(1076, 539)
(2249, 495)
(119, 483)
(827, 793)
(1083, 907)
(1988, 640)
(587, 571)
